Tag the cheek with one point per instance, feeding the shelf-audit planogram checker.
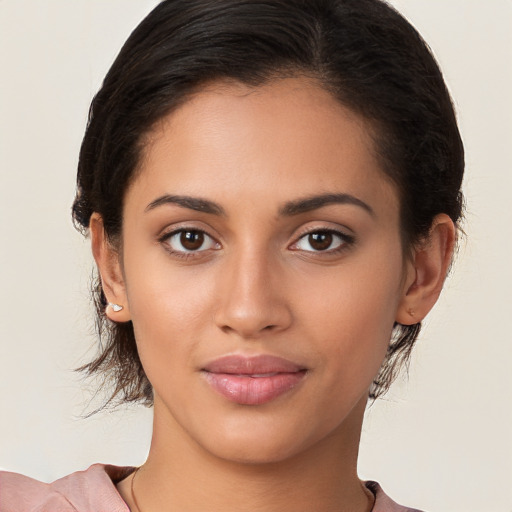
(352, 317)
(169, 311)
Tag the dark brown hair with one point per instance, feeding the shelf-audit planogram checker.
(362, 51)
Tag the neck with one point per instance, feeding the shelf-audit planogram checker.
(180, 475)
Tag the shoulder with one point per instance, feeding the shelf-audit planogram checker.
(383, 503)
(83, 491)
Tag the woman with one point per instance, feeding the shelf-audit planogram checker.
(272, 191)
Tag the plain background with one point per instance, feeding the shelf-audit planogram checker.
(440, 442)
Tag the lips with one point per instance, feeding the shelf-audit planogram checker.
(252, 380)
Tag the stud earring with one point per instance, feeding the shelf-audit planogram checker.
(115, 307)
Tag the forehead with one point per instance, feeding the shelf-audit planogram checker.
(296, 108)
(289, 135)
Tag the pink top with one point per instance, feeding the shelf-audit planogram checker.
(94, 490)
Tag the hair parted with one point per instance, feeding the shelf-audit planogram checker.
(362, 51)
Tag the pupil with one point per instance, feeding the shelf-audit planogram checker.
(192, 240)
(320, 241)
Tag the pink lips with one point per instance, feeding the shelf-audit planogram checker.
(252, 380)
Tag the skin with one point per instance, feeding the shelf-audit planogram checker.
(258, 285)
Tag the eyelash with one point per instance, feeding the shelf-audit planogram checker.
(185, 254)
(345, 241)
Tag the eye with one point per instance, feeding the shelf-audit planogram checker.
(322, 241)
(189, 240)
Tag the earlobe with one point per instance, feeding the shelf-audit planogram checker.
(109, 268)
(427, 271)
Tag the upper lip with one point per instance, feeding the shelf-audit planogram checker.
(252, 365)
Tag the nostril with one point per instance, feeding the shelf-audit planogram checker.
(248, 331)
(251, 314)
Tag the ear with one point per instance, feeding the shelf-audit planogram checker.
(109, 267)
(426, 271)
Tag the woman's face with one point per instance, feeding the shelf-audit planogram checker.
(263, 268)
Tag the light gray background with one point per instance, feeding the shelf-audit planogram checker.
(441, 442)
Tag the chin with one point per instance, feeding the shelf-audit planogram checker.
(255, 453)
(261, 440)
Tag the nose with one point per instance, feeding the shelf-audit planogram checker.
(253, 297)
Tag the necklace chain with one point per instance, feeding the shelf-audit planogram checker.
(132, 491)
(134, 499)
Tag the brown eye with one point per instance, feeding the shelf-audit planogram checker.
(192, 240)
(189, 240)
(320, 241)
(323, 241)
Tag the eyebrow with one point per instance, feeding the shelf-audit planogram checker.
(289, 209)
(193, 203)
(318, 201)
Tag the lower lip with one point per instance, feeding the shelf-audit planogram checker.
(248, 390)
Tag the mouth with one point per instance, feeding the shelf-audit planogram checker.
(252, 380)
